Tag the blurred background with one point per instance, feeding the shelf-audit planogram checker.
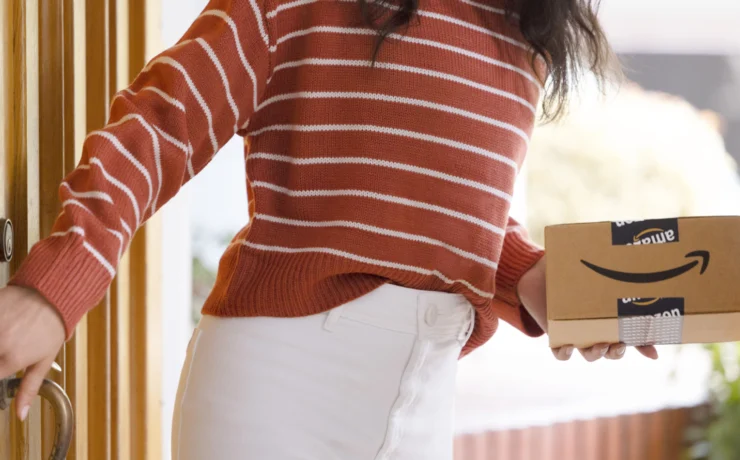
(665, 143)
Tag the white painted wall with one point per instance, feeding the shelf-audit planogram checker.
(673, 26)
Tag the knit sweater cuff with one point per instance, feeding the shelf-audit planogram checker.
(64, 272)
(519, 255)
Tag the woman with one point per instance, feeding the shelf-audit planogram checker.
(383, 141)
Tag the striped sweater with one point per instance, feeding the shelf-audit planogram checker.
(358, 175)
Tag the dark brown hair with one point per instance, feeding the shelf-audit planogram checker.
(565, 33)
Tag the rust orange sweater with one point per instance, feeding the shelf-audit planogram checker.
(358, 175)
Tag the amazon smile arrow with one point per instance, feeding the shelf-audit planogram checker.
(654, 277)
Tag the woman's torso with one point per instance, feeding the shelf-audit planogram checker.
(360, 175)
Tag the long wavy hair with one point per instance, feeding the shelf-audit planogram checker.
(565, 33)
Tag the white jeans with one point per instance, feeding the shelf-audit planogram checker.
(371, 380)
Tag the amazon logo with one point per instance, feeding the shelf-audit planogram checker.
(653, 236)
(656, 231)
(700, 260)
(659, 307)
(641, 302)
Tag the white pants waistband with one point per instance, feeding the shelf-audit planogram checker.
(373, 379)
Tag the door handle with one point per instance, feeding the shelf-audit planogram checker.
(63, 414)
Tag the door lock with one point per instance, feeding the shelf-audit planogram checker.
(7, 240)
(63, 414)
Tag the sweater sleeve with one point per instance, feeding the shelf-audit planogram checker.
(163, 129)
(519, 254)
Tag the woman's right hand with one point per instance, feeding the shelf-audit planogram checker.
(533, 295)
(31, 335)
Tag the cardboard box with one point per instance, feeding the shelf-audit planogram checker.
(664, 281)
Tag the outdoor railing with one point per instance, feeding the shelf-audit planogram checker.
(653, 436)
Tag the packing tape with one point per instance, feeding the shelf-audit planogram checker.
(651, 330)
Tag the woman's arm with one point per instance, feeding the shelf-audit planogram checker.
(518, 256)
(164, 128)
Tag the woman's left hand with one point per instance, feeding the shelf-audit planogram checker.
(532, 293)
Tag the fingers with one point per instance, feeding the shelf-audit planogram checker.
(594, 353)
(32, 380)
(563, 353)
(612, 352)
(649, 352)
(616, 351)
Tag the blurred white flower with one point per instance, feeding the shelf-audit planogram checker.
(631, 155)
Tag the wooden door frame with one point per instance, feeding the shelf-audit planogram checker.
(70, 57)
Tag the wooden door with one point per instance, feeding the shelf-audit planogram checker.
(61, 61)
(19, 147)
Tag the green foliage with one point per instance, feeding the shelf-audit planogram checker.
(203, 281)
(718, 437)
(204, 277)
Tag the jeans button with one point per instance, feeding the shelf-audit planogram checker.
(431, 315)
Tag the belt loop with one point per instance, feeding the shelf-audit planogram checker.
(467, 330)
(422, 329)
(333, 317)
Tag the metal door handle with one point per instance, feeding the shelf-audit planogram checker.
(63, 414)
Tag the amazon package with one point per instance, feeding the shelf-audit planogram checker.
(664, 281)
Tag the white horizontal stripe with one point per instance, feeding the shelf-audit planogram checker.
(394, 132)
(190, 160)
(187, 149)
(99, 257)
(159, 92)
(260, 23)
(477, 28)
(480, 57)
(488, 8)
(322, 29)
(384, 164)
(415, 40)
(126, 228)
(78, 230)
(240, 51)
(77, 203)
(121, 186)
(155, 146)
(380, 231)
(181, 43)
(514, 228)
(119, 236)
(83, 167)
(193, 89)
(401, 100)
(95, 195)
(171, 139)
(366, 260)
(382, 197)
(287, 6)
(224, 79)
(499, 36)
(130, 157)
(409, 69)
(456, 21)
